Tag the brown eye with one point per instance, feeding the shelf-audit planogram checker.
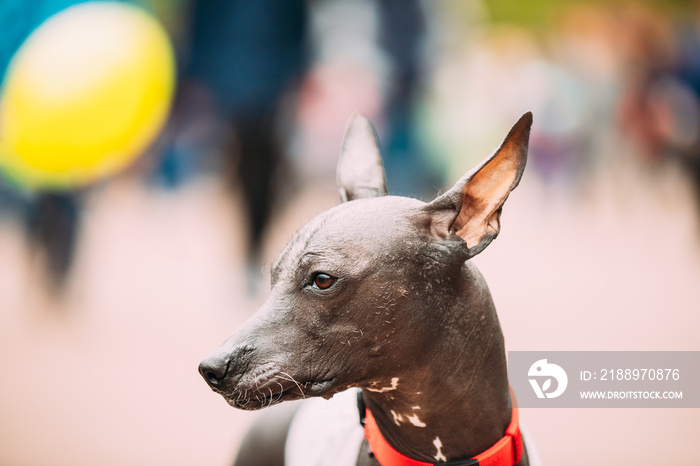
(323, 281)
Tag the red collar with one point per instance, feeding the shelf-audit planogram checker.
(506, 452)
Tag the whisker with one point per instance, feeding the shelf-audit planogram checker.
(291, 379)
(281, 391)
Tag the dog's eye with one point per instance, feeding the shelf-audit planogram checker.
(323, 281)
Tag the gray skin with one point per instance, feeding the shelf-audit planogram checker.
(408, 318)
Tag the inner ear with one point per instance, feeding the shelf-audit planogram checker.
(485, 193)
(472, 207)
(360, 171)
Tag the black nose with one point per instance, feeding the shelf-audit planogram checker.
(214, 370)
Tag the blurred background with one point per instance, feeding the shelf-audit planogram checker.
(113, 289)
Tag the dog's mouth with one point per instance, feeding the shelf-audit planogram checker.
(276, 390)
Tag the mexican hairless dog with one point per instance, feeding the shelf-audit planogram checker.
(379, 293)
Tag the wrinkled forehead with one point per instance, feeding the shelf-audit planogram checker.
(365, 224)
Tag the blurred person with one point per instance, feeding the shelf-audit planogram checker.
(659, 109)
(581, 41)
(685, 97)
(240, 57)
(247, 61)
(367, 56)
(86, 89)
(51, 218)
(647, 44)
(403, 34)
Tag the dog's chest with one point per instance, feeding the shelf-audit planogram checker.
(329, 433)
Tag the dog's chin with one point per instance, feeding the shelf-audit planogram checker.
(277, 391)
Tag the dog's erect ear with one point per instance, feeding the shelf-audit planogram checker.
(472, 208)
(360, 170)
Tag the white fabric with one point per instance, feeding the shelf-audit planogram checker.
(325, 433)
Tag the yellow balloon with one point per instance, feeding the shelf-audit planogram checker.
(85, 94)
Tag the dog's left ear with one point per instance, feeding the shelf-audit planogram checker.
(360, 170)
(472, 207)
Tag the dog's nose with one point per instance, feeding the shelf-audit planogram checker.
(214, 370)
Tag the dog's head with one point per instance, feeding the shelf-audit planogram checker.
(361, 293)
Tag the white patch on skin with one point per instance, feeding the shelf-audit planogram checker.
(397, 418)
(439, 456)
(415, 421)
(394, 384)
(415, 407)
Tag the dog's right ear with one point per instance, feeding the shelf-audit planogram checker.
(360, 170)
(472, 208)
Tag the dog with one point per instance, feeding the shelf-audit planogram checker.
(376, 300)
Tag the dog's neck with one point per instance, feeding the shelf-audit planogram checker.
(454, 405)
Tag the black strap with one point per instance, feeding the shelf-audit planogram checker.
(361, 408)
(470, 462)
